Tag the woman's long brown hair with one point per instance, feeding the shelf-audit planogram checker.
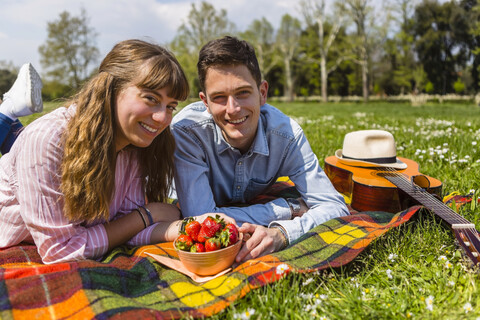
(88, 165)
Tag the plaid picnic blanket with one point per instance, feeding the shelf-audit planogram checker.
(128, 283)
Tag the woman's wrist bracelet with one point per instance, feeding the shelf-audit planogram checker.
(149, 215)
(141, 215)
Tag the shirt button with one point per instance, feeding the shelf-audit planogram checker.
(238, 187)
(240, 163)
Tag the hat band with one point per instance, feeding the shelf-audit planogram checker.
(375, 160)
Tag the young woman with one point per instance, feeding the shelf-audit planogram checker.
(76, 180)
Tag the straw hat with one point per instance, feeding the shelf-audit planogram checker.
(369, 148)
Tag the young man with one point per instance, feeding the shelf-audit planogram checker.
(232, 146)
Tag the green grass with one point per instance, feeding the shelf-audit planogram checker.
(47, 107)
(396, 276)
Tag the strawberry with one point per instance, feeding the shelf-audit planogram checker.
(212, 244)
(229, 235)
(210, 228)
(197, 247)
(184, 242)
(192, 228)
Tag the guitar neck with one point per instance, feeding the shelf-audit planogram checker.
(464, 230)
(428, 200)
(371, 189)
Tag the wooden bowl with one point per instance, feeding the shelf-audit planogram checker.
(212, 262)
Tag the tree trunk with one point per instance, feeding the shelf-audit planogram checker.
(365, 79)
(288, 81)
(323, 70)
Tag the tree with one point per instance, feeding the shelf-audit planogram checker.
(370, 32)
(287, 43)
(420, 79)
(308, 74)
(202, 25)
(8, 74)
(442, 42)
(402, 13)
(459, 86)
(314, 14)
(69, 50)
(261, 35)
(473, 7)
(358, 10)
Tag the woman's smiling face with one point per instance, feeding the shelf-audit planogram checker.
(141, 115)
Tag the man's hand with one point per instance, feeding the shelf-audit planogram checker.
(303, 207)
(297, 207)
(258, 241)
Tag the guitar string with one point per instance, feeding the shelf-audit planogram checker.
(431, 199)
(470, 233)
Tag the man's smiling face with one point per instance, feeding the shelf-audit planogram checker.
(234, 99)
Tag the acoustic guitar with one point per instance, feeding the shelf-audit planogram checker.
(393, 190)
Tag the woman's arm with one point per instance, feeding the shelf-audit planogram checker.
(163, 215)
(165, 232)
(122, 229)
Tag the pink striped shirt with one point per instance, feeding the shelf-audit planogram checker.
(31, 204)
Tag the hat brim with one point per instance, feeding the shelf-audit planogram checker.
(361, 163)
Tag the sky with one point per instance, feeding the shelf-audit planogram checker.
(23, 25)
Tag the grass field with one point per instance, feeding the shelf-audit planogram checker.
(413, 272)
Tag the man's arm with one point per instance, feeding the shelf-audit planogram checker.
(317, 193)
(316, 190)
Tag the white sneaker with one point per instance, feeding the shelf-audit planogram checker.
(26, 92)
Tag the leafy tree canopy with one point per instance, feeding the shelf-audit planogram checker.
(69, 50)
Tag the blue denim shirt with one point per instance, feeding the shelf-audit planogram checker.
(211, 174)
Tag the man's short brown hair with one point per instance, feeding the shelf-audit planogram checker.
(227, 51)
